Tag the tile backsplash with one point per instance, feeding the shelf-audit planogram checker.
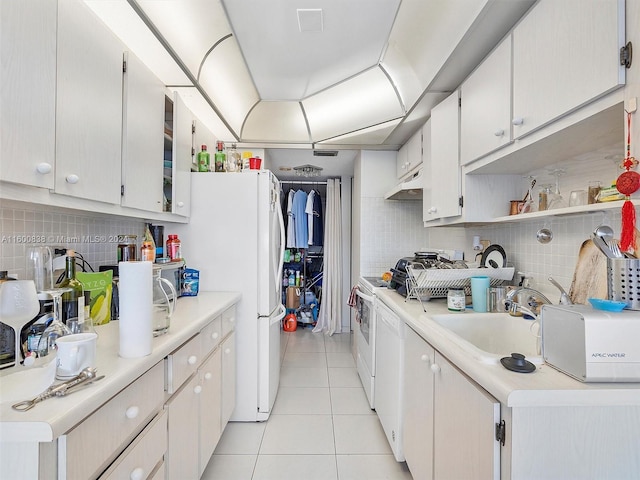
(390, 230)
(94, 236)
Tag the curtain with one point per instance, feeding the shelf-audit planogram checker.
(330, 315)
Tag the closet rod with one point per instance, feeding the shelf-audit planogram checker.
(302, 182)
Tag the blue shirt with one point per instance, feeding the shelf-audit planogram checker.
(300, 219)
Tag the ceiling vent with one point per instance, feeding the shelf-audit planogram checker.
(325, 153)
(310, 19)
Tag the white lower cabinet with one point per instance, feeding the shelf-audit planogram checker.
(90, 447)
(465, 418)
(182, 452)
(449, 423)
(228, 377)
(210, 407)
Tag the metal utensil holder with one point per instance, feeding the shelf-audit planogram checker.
(623, 281)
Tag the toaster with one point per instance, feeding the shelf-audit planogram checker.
(592, 345)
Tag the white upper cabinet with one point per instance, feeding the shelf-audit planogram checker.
(183, 148)
(143, 137)
(445, 167)
(565, 54)
(409, 155)
(28, 93)
(88, 106)
(485, 116)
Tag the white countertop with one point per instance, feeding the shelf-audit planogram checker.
(55, 416)
(546, 387)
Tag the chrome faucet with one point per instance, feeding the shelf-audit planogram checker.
(530, 301)
(564, 298)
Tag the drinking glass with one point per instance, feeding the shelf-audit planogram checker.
(39, 267)
(56, 328)
(18, 304)
(555, 199)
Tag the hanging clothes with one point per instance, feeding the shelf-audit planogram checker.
(300, 219)
(318, 222)
(291, 229)
(309, 211)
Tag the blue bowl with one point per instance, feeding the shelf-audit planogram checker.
(608, 305)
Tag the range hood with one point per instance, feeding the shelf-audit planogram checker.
(410, 189)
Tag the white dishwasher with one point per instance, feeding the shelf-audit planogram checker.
(389, 384)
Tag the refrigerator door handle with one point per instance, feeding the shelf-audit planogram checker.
(278, 274)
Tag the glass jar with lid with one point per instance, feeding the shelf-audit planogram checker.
(127, 248)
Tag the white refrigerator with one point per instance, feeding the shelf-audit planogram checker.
(235, 238)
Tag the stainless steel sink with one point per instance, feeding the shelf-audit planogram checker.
(491, 336)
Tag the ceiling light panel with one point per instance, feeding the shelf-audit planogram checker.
(204, 113)
(191, 27)
(129, 27)
(225, 79)
(365, 100)
(375, 135)
(279, 122)
(287, 64)
(427, 31)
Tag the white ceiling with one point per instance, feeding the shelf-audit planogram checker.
(361, 74)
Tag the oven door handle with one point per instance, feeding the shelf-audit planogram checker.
(366, 298)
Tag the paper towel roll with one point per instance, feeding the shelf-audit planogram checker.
(136, 309)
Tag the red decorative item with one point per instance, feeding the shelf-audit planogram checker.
(628, 183)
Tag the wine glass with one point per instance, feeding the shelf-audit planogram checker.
(39, 267)
(555, 199)
(56, 328)
(18, 304)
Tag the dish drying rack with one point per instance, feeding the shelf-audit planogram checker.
(427, 283)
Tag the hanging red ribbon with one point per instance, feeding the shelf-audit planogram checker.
(628, 183)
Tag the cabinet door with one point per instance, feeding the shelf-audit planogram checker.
(182, 157)
(418, 405)
(445, 168)
(485, 113)
(210, 407)
(88, 106)
(564, 55)
(28, 93)
(183, 452)
(464, 427)
(228, 378)
(402, 162)
(143, 137)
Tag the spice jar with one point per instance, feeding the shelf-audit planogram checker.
(456, 301)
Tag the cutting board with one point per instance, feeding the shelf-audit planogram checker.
(590, 275)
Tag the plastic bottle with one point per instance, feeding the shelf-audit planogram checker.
(203, 160)
(220, 157)
(148, 249)
(73, 300)
(292, 279)
(174, 249)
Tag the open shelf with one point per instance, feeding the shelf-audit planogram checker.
(593, 208)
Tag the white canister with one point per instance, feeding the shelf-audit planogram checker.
(456, 300)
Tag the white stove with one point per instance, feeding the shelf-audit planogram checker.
(365, 331)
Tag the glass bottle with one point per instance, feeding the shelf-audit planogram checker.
(220, 157)
(234, 162)
(203, 159)
(148, 249)
(72, 300)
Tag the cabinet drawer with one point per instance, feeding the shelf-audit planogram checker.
(228, 321)
(182, 363)
(211, 336)
(87, 449)
(160, 473)
(143, 455)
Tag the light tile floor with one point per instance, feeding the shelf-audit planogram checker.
(321, 427)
